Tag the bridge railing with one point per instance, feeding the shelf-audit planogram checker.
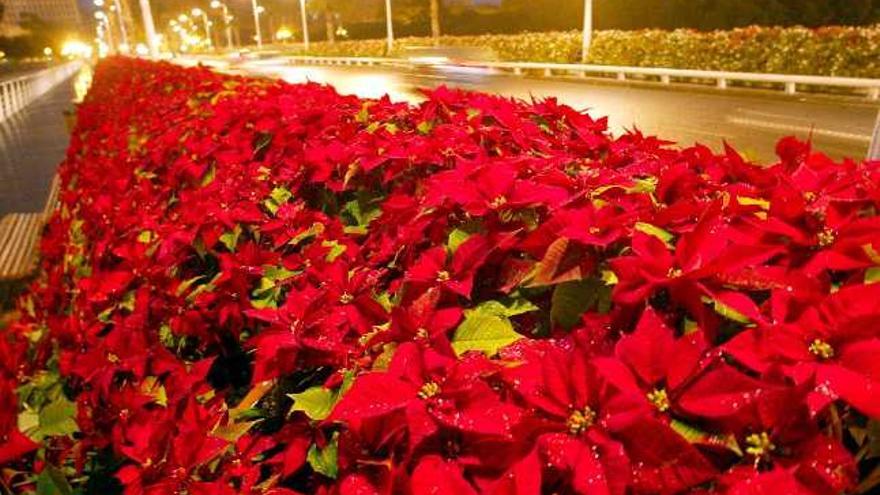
(791, 84)
(17, 92)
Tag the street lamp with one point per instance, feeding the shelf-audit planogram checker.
(122, 28)
(150, 28)
(389, 25)
(257, 11)
(227, 20)
(588, 30)
(201, 13)
(305, 24)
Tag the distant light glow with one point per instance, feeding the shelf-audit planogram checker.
(283, 34)
(76, 49)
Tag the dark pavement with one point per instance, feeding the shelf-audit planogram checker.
(752, 120)
(32, 144)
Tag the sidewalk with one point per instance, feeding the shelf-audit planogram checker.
(32, 144)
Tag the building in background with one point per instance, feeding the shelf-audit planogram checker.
(60, 13)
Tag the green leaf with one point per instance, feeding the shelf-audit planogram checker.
(52, 481)
(487, 328)
(145, 237)
(230, 238)
(323, 461)
(315, 402)
(363, 114)
(425, 127)
(209, 175)
(655, 231)
(456, 239)
(747, 201)
(336, 250)
(277, 197)
(268, 293)
(57, 418)
(872, 275)
(697, 436)
(572, 299)
(727, 311)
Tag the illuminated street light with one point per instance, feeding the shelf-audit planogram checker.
(283, 34)
(227, 20)
(305, 24)
(257, 11)
(201, 13)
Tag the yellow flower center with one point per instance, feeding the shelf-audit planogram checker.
(660, 399)
(822, 349)
(443, 276)
(674, 273)
(826, 238)
(580, 421)
(499, 201)
(346, 298)
(759, 444)
(422, 333)
(428, 390)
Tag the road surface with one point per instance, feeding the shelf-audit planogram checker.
(751, 120)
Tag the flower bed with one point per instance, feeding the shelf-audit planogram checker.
(258, 288)
(831, 51)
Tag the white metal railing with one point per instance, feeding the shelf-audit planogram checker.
(874, 148)
(789, 83)
(17, 92)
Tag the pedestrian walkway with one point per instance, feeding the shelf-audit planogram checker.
(32, 144)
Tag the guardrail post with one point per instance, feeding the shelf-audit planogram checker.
(4, 100)
(665, 79)
(621, 76)
(874, 149)
(874, 94)
(517, 71)
(548, 72)
(722, 83)
(790, 88)
(16, 93)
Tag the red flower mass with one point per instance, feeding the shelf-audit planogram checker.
(252, 287)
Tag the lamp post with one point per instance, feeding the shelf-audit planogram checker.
(227, 20)
(150, 28)
(305, 24)
(197, 12)
(588, 30)
(122, 29)
(389, 25)
(257, 23)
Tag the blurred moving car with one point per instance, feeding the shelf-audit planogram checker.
(458, 65)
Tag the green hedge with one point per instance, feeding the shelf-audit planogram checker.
(837, 51)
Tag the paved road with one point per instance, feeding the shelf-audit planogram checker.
(753, 121)
(32, 144)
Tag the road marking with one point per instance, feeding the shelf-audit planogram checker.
(802, 129)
